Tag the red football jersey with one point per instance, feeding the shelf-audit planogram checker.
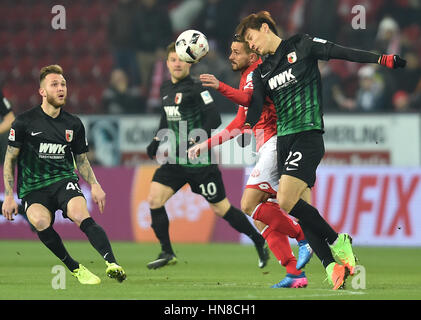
(266, 126)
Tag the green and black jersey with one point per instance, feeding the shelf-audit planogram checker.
(47, 146)
(291, 78)
(186, 107)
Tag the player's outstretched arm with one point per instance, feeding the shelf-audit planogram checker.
(7, 122)
(85, 170)
(10, 206)
(355, 55)
(325, 50)
(237, 96)
(209, 80)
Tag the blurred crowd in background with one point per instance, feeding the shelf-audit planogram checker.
(390, 27)
(113, 51)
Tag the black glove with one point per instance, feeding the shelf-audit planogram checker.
(392, 61)
(152, 148)
(190, 143)
(244, 139)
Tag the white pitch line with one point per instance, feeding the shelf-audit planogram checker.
(332, 294)
(329, 293)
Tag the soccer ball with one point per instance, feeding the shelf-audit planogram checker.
(191, 46)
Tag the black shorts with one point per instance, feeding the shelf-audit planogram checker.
(299, 155)
(206, 181)
(54, 197)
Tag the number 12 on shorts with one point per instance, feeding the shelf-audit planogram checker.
(291, 162)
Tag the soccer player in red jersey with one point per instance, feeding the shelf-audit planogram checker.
(262, 184)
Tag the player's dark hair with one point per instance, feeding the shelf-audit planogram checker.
(240, 39)
(254, 21)
(54, 68)
(170, 48)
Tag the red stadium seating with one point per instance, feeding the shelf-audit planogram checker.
(28, 42)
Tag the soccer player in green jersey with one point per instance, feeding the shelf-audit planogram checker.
(46, 142)
(187, 107)
(291, 78)
(8, 116)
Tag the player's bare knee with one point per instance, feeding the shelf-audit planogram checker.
(285, 203)
(39, 221)
(155, 201)
(247, 207)
(259, 225)
(77, 216)
(251, 199)
(221, 208)
(220, 212)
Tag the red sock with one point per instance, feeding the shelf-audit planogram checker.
(279, 245)
(269, 213)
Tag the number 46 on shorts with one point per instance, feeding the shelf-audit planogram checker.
(73, 186)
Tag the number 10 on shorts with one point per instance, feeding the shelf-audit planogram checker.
(209, 190)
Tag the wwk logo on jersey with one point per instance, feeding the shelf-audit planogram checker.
(172, 113)
(282, 80)
(51, 150)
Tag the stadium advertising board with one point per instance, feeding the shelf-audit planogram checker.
(116, 183)
(190, 217)
(376, 205)
(372, 139)
(351, 139)
(126, 216)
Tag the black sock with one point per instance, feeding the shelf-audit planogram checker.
(319, 245)
(160, 225)
(238, 220)
(50, 238)
(311, 217)
(317, 231)
(98, 239)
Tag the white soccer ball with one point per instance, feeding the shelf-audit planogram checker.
(191, 46)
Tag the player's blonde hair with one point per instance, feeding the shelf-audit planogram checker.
(170, 48)
(54, 68)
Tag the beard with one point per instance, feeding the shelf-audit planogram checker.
(55, 103)
(237, 67)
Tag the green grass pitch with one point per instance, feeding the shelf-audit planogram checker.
(203, 272)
